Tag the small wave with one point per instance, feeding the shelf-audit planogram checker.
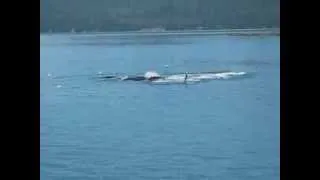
(175, 81)
(225, 75)
(193, 78)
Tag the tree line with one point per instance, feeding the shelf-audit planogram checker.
(121, 15)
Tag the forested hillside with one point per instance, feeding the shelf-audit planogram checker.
(118, 15)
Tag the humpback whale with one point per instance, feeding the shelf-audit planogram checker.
(149, 76)
(154, 77)
(131, 78)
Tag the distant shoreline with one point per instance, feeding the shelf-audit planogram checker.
(247, 32)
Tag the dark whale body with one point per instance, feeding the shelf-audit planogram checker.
(135, 78)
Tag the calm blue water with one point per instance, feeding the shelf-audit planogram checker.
(221, 129)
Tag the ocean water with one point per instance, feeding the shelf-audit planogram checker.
(226, 129)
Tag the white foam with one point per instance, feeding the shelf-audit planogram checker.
(179, 78)
(164, 81)
(151, 74)
(176, 77)
(123, 78)
(225, 75)
(192, 78)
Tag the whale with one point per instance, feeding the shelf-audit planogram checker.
(154, 77)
